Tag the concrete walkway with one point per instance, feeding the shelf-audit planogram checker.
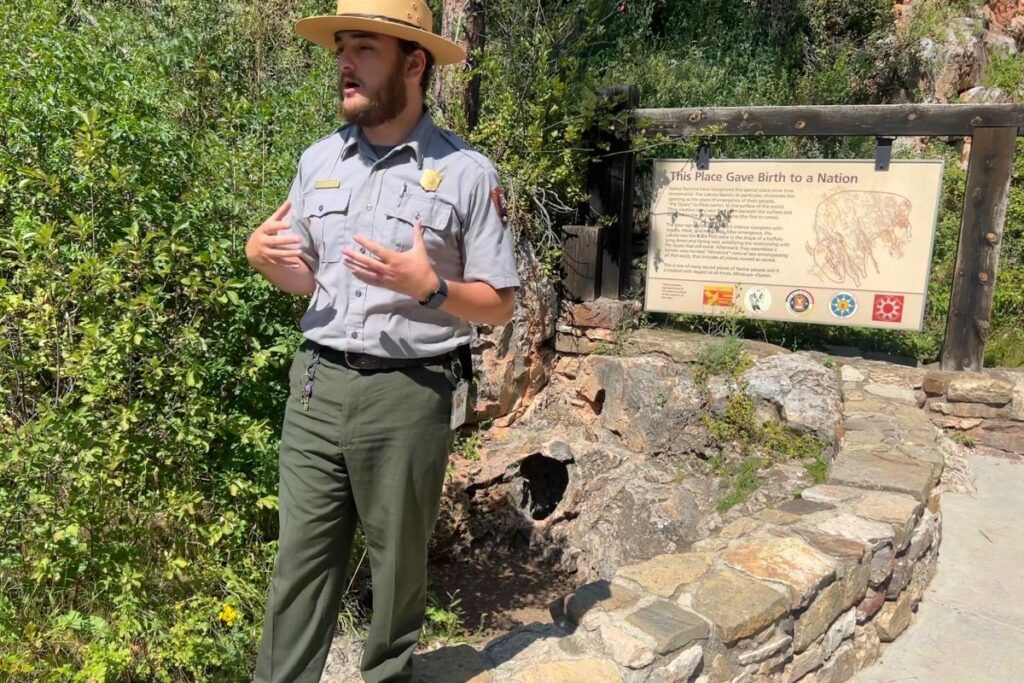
(970, 624)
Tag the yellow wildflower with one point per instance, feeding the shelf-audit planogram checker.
(228, 615)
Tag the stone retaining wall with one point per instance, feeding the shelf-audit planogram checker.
(986, 408)
(806, 591)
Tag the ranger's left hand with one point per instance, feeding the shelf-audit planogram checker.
(408, 272)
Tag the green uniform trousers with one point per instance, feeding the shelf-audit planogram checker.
(371, 448)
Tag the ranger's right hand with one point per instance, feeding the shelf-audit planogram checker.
(267, 246)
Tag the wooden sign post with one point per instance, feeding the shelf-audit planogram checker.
(981, 231)
(992, 128)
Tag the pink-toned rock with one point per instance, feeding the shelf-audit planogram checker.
(609, 314)
(974, 410)
(1002, 434)
(961, 423)
(902, 571)
(835, 546)
(870, 605)
(512, 362)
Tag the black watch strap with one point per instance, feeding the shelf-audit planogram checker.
(438, 296)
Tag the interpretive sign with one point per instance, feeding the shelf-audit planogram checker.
(828, 242)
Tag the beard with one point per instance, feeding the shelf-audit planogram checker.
(382, 104)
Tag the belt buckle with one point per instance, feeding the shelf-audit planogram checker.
(349, 362)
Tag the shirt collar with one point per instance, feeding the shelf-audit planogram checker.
(417, 140)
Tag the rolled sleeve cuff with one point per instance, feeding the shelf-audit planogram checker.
(497, 282)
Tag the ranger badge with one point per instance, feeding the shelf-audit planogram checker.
(430, 180)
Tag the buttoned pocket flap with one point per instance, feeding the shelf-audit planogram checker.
(430, 212)
(319, 203)
(326, 210)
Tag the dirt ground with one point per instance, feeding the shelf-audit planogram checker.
(498, 594)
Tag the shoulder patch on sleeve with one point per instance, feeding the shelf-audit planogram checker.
(498, 199)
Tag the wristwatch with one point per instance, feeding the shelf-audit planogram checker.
(438, 296)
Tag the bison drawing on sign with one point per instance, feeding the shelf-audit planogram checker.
(850, 227)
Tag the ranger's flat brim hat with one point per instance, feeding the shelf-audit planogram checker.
(404, 19)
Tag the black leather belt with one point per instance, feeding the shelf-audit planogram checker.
(366, 361)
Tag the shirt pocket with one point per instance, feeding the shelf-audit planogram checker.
(327, 213)
(435, 216)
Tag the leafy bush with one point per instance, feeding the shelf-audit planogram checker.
(142, 359)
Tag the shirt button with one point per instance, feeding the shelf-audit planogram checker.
(355, 335)
(320, 208)
(359, 293)
(362, 250)
(369, 207)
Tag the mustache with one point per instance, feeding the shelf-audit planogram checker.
(347, 79)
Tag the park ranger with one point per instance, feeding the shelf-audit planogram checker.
(396, 230)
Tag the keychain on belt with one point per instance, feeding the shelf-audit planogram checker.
(307, 391)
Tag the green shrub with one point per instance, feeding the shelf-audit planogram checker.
(727, 357)
(141, 359)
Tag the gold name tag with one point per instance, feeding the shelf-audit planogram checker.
(327, 184)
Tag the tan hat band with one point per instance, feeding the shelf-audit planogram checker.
(381, 17)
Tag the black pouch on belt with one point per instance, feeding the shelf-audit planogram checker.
(466, 361)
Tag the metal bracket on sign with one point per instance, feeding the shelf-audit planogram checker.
(883, 152)
(704, 155)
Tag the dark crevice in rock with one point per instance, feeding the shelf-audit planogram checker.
(597, 405)
(545, 482)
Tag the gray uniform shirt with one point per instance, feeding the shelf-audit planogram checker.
(342, 189)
